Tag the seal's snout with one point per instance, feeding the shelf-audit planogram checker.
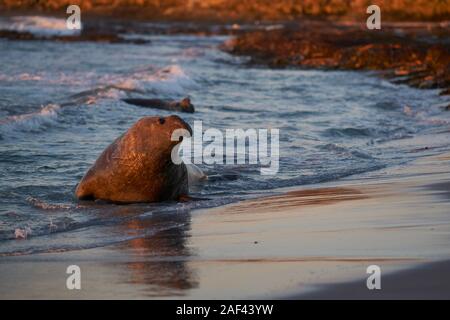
(188, 127)
(179, 123)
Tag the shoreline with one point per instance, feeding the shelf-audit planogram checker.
(311, 242)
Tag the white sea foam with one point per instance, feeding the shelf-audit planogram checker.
(171, 80)
(30, 122)
(38, 203)
(22, 233)
(21, 77)
(429, 116)
(60, 78)
(38, 25)
(167, 81)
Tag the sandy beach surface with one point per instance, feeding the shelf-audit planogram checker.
(314, 242)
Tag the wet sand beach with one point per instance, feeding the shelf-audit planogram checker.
(302, 243)
(427, 281)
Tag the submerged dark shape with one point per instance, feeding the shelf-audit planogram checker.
(82, 37)
(184, 105)
(137, 166)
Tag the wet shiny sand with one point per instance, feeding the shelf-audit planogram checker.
(314, 242)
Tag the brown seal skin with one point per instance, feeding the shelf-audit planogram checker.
(137, 166)
(184, 105)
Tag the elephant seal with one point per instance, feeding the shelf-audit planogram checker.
(184, 105)
(137, 166)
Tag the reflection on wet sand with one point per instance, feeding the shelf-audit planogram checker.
(159, 261)
(299, 198)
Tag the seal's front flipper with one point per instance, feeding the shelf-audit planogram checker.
(195, 174)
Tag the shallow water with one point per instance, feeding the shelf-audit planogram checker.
(60, 107)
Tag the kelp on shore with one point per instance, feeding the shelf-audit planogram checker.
(417, 55)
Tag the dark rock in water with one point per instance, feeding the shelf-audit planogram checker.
(100, 37)
(447, 108)
(184, 105)
(445, 92)
(15, 35)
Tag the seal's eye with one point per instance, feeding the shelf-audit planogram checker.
(162, 120)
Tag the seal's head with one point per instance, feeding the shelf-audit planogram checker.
(154, 134)
(186, 105)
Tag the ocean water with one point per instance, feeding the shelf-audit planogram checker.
(60, 107)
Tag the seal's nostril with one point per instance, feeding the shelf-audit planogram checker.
(162, 120)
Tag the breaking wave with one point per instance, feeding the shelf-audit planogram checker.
(169, 81)
(30, 122)
(38, 25)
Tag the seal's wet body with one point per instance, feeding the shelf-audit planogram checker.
(137, 166)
